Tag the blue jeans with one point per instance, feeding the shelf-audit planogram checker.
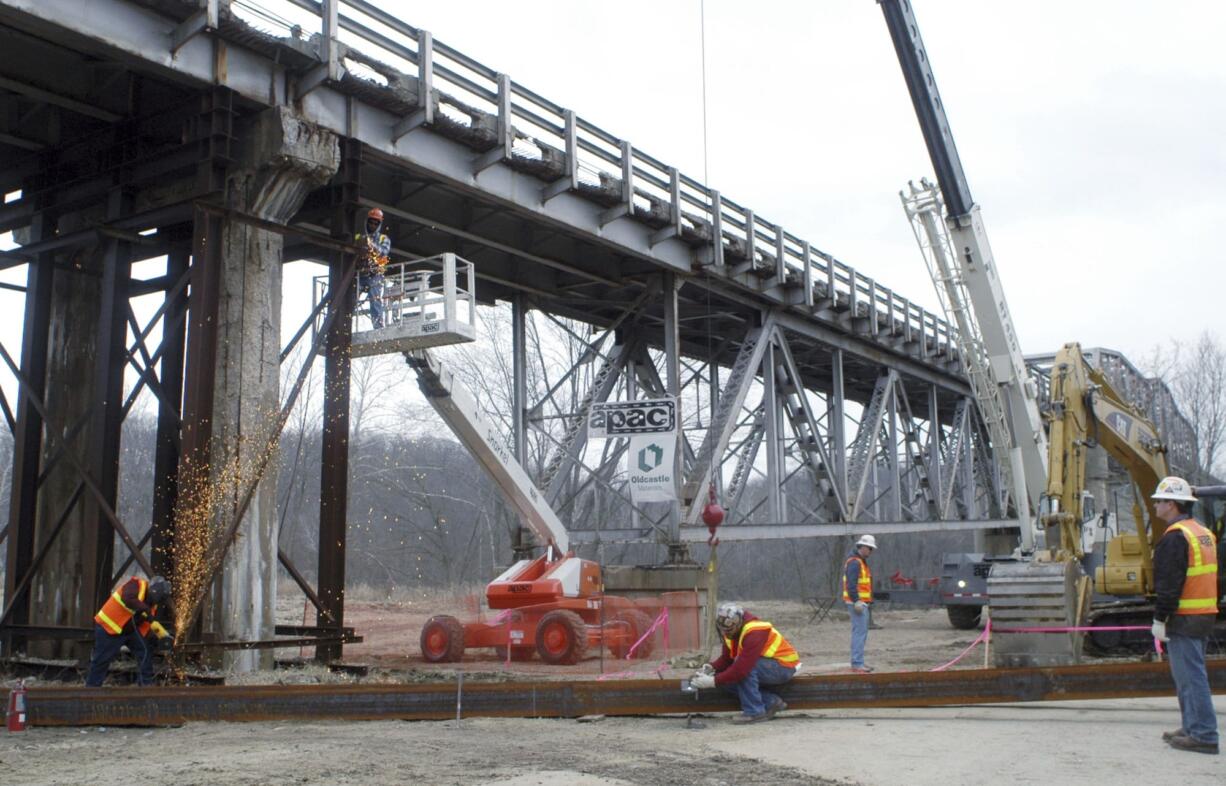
(106, 647)
(1187, 656)
(859, 635)
(373, 285)
(754, 700)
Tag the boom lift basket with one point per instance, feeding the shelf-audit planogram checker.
(426, 303)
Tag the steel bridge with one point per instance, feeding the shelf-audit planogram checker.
(818, 400)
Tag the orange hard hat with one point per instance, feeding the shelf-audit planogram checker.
(375, 213)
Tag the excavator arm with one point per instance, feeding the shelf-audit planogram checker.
(1085, 409)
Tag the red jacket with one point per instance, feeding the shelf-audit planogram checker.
(729, 671)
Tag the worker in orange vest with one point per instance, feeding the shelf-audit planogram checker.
(129, 617)
(858, 595)
(754, 654)
(1185, 583)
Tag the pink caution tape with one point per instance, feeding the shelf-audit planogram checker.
(1074, 629)
(660, 620)
(987, 632)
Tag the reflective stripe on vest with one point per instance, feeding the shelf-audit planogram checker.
(1199, 594)
(776, 647)
(114, 615)
(864, 583)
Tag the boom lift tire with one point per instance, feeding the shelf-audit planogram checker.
(442, 639)
(561, 638)
(964, 617)
(639, 623)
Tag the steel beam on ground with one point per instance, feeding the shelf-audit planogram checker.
(144, 706)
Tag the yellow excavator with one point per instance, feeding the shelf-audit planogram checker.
(1050, 590)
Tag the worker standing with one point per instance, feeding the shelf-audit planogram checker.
(858, 595)
(754, 654)
(372, 262)
(1185, 582)
(128, 617)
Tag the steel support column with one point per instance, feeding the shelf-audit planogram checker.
(837, 417)
(28, 436)
(774, 452)
(166, 459)
(677, 551)
(334, 469)
(102, 455)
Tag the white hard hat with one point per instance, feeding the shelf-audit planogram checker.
(1174, 488)
(867, 540)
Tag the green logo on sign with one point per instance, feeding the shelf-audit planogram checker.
(648, 463)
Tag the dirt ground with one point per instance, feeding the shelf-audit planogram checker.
(1113, 743)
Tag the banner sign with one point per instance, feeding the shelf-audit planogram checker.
(628, 418)
(651, 460)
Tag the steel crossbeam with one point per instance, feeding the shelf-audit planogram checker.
(569, 699)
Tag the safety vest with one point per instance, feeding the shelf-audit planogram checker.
(114, 615)
(1200, 587)
(864, 584)
(777, 647)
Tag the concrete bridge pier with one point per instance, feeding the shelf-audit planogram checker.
(285, 159)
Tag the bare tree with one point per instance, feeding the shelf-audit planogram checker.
(1196, 376)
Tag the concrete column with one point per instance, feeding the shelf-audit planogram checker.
(58, 595)
(286, 159)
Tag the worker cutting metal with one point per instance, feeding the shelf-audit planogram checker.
(754, 654)
(129, 617)
(376, 246)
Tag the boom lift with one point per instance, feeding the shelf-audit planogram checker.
(553, 605)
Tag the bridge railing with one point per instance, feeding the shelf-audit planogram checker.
(449, 87)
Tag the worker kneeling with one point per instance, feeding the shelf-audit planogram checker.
(129, 617)
(754, 655)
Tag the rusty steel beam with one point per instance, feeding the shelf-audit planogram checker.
(570, 699)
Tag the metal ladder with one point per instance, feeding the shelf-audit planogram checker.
(924, 209)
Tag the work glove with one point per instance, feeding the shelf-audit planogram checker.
(861, 607)
(1159, 630)
(701, 681)
(706, 668)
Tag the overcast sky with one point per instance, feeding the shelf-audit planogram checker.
(1091, 133)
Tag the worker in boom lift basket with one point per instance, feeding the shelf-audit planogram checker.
(372, 262)
(858, 595)
(754, 654)
(1185, 583)
(129, 617)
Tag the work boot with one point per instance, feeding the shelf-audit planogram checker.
(778, 706)
(1183, 742)
(744, 718)
(862, 669)
(1166, 735)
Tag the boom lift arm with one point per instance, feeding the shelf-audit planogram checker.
(452, 401)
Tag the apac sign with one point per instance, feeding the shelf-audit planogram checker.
(631, 418)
